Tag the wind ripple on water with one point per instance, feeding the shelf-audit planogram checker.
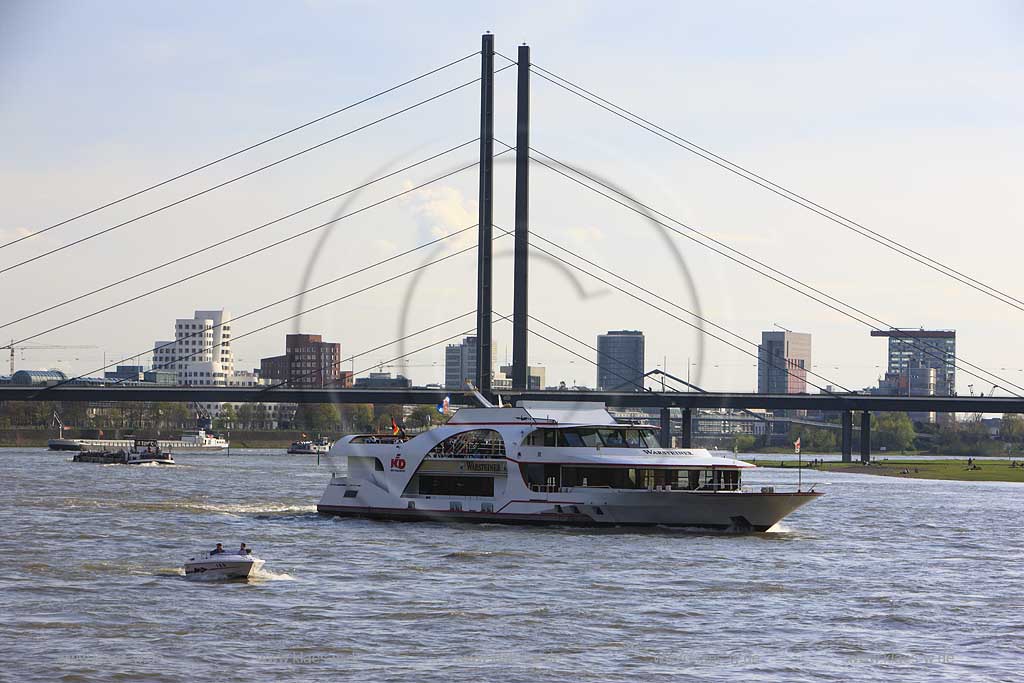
(877, 581)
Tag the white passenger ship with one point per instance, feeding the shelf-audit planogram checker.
(548, 462)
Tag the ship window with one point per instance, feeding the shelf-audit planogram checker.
(613, 438)
(635, 438)
(478, 443)
(456, 486)
(378, 465)
(545, 437)
(351, 493)
(590, 437)
(572, 438)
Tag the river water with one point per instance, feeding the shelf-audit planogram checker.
(881, 579)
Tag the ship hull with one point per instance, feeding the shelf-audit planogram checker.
(721, 511)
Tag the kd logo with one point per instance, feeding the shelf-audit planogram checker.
(398, 463)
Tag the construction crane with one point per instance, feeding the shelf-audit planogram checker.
(37, 347)
(381, 366)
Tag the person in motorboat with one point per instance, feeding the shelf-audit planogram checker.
(244, 551)
(219, 550)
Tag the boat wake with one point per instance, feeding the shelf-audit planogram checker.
(470, 555)
(195, 506)
(265, 574)
(260, 508)
(169, 571)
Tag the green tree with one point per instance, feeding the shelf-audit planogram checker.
(895, 431)
(260, 417)
(179, 416)
(1012, 429)
(357, 417)
(744, 442)
(813, 438)
(383, 414)
(318, 417)
(246, 413)
(424, 416)
(229, 415)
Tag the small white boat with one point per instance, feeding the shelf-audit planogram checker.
(211, 566)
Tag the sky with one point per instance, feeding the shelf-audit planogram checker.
(907, 117)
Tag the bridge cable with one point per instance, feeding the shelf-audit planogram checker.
(237, 178)
(236, 236)
(496, 318)
(248, 254)
(924, 348)
(809, 372)
(205, 349)
(351, 358)
(241, 151)
(830, 215)
(628, 380)
(670, 314)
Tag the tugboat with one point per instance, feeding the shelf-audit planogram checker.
(318, 446)
(548, 462)
(146, 452)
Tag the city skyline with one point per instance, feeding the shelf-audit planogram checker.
(787, 370)
(933, 132)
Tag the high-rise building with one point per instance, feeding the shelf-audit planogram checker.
(308, 361)
(783, 360)
(201, 352)
(535, 376)
(383, 380)
(200, 355)
(460, 363)
(125, 373)
(922, 349)
(620, 360)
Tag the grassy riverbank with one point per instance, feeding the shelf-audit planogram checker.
(986, 470)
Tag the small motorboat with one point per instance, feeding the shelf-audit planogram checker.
(213, 566)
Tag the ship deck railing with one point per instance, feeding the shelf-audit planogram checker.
(708, 488)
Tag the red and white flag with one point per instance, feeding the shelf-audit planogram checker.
(796, 446)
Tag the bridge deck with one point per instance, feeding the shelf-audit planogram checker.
(836, 402)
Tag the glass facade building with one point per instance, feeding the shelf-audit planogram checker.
(620, 360)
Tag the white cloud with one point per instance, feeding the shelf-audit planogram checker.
(583, 235)
(444, 210)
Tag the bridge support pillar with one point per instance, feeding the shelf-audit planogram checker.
(847, 420)
(665, 435)
(687, 440)
(486, 209)
(520, 273)
(865, 437)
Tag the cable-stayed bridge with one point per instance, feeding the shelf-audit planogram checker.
(528, 245)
